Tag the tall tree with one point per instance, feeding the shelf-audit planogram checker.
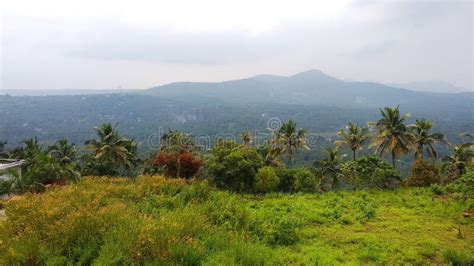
(112, 150)
(288, 140)
(393, 135)
(422, 137)
(353, 137)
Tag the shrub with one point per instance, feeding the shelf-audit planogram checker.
(304, 181)
(423, 174)
(228, 212)
(233, 167)
(464, 185)
(285, 175)
(276, 228)
(455, 257)
(266, 180)
(370, 172)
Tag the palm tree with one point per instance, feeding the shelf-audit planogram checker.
(422, 136)
(177, 141)
(328, 167)
(32, 147)
(462, 155)
(246, 138)
(353, 138)
(112, 150)
(63, 152)
(392, 134)
(288, 140)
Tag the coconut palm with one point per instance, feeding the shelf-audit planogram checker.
(392, 135)
(64, 152)
(288, 140)
(461, 157)
(112, 150)
(328, 167)
(32, 147)
(177, 141)
(354, 137)
(246, 138)
(422, 137)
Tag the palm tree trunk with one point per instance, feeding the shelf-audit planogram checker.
(393, 158)
(353, 154)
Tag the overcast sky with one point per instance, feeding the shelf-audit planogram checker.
(139, 44)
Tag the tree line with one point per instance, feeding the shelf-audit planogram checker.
(244, 167)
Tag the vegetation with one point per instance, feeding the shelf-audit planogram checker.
(422, 137)
(393, 135)
(157, 221)
(112, 154)
(288, 140)
(370, 172)
(284, 213)
(353, 138)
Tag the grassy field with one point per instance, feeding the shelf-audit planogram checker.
(152, 220)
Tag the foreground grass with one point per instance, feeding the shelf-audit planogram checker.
(115, 221)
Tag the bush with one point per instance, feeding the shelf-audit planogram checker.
(370, 172)
(277, 230)
(455, 257)
(423, 174)
(464, 185)
(266, 180)
(285, 175)
(304, 181)
(233, 167)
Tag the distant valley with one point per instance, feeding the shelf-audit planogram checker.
(315, 100)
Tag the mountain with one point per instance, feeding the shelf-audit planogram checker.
(318, 102)
(437, 86)
(314, 87)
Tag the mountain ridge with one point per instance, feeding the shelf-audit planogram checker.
(308, 87)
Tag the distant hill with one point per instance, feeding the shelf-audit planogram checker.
(318, 102)
(437, 86)
(311, 87)
(64, 92)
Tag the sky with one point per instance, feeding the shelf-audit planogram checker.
(57, 44)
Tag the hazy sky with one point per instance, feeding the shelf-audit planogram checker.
(139, 44)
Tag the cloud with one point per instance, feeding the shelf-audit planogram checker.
(55, 45)
(158, 45)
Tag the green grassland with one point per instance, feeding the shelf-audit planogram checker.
(174, 222)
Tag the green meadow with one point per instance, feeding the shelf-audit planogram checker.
(153, 220)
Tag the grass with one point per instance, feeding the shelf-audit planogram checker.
(115, 221)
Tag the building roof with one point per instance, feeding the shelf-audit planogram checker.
(7, 163)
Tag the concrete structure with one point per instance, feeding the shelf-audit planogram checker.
(8, 167)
